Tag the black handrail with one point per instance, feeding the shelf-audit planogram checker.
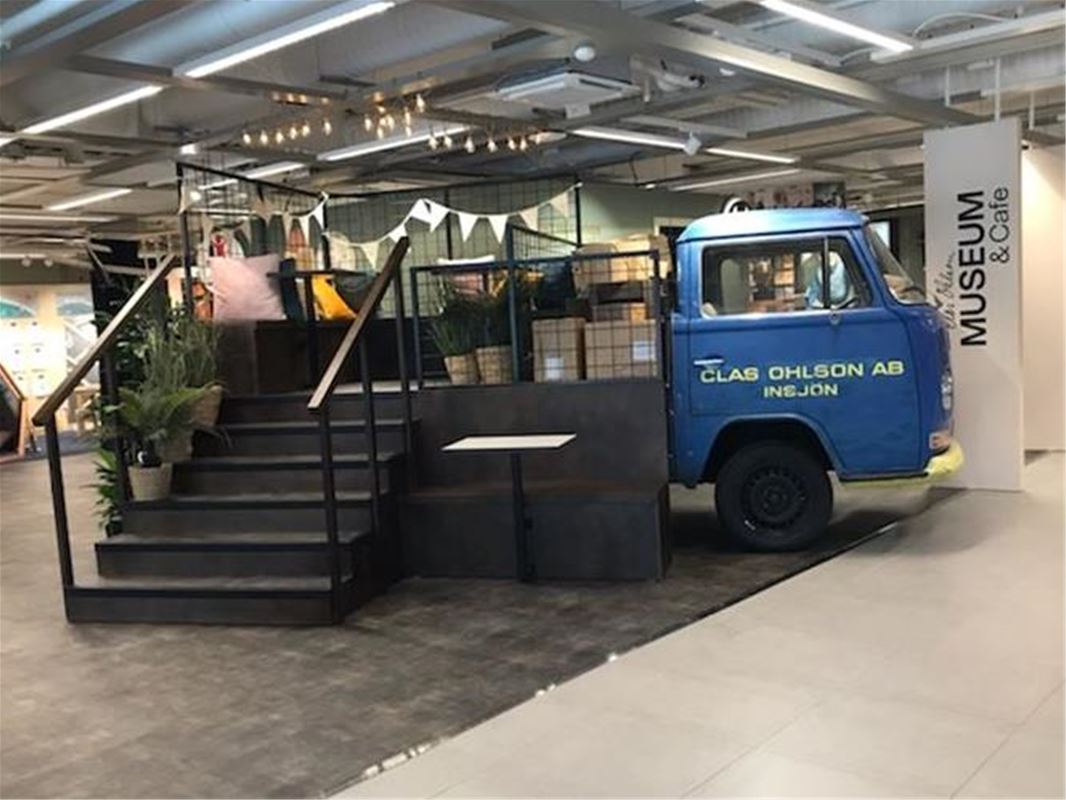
(390, 276)
(103, 343)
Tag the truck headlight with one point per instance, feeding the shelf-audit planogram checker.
(939, 441)
(947, 391)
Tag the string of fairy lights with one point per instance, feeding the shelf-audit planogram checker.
(406, 115)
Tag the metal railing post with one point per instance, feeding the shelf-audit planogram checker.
(405, 386)
(512, 308)
(416, 329)
(370, 420)
(186, 243)
(59, 504)
(329, 497)
(312, 330)
(109, 389)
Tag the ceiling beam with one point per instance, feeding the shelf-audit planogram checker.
(605, 22)
(105, 21)
(706, 23)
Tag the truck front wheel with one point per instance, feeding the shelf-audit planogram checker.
(773, 496)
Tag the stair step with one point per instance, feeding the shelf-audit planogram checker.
(229, 474)
(298, 437)
(295, 553)
(251, 500)
(281, 462)
(220, 601)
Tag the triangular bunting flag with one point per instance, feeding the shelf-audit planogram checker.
(398, 232)
(467, 221)
(263, 208)
(370, 250)
(437, 213)
(185, 198)
(561, 203)
(530, 217)
(420, 211)
(318, 213)
(499, 225)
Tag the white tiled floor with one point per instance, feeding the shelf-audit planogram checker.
(927, 663)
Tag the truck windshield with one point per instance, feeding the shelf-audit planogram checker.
(895, 276)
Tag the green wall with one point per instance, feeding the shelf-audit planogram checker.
(608, 212)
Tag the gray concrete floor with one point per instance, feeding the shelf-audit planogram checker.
(925, 663)
(190, 711)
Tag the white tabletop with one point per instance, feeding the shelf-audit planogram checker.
(525, 441)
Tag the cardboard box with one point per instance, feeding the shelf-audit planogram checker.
(587, 270)
(621, 350)
(640, 267)
(620, 312)
(559, 349)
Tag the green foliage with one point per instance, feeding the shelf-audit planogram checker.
(198, 342)
(108, 500)
(155, 414)
(494, 309)
(455, 329)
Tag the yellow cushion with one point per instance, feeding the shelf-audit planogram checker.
(329, 304)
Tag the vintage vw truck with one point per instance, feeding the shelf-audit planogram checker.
(800, 346)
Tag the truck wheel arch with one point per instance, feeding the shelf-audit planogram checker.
(740, 433)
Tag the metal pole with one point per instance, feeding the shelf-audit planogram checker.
(327, 260)
(110, 392)
(59, 504)
(186, 245)
(329, 502)
(577, 213)
(512, 306)
(371, 435)
(416, 328)
(448, 225)
(523, 566)
(312, 331)
(405, 386)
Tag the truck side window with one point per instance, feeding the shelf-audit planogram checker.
(781, 277)
(765, 278)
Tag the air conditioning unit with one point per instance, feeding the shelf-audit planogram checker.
(569, 90)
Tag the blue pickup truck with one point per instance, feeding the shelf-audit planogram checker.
(799, 347)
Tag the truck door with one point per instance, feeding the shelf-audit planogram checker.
(792, 328)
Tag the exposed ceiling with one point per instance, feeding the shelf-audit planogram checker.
(640, 91)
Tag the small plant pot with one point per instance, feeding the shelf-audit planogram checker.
(204, 414)
(176, 449)
(494, 363)
(150, 483)
(462, 370)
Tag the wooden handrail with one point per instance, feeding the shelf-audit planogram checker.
(367, 310)
(103, 342)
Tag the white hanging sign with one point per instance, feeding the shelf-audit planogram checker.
(973, 253)
(467, 221)
(499, 224)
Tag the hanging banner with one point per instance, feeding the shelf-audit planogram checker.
(561, 203)
(467, 222)
(530, 217)
(370, 250)
(399, 231)
(420, 211)
(973, 274)
(499, 224)
(437, 213)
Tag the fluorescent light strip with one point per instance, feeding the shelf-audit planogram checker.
(293, 37)
(812, 17)
(773, 159)
(6, 216)
(366, 148)
(84, 200)
(629, 137)
(780, 173)
(92, 110)
(5, 139)
(273, 169)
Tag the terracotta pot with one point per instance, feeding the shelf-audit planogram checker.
(494, 363)
(462, 370)
(178, 448)
(150, 483)
(205, 410)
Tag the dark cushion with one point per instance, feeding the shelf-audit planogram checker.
(290, 292)
(353, 287)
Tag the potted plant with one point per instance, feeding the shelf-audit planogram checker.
(166, 372)
(453, 331)
(198, 343)
(494, 355)
(154, 415)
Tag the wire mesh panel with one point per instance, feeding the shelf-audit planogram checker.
(552, 316)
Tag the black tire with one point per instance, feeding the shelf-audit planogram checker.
(773, 496)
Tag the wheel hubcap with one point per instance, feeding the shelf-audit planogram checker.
(773, 498)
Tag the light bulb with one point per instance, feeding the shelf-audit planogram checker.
(381, 132)
(382, 111)
(432, 142)
(293, 131)
(367, 123)
(420, 104)
(390, 123)
(407, 116)
(538, 137)
(522, 143)
(246, 137)
(279, 137)
(447, 140)
(408, 131)
(327, 127)
(305, 130)
(469, 145)
(510, 143)
(492, 146)
(263, 138)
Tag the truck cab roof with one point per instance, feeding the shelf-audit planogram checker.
(770, 222)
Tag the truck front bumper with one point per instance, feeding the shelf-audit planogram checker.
(939, 467)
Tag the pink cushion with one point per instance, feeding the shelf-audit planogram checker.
(242, 289)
